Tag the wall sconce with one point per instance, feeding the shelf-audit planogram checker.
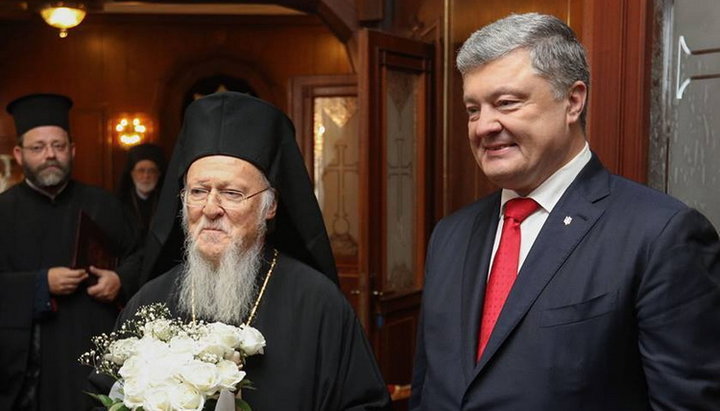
(132, 130)
(63, 15)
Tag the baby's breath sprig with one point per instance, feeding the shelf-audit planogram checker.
(99, 357)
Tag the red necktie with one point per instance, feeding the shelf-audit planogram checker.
(505, 266)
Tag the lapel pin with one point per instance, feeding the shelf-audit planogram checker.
(567, 220)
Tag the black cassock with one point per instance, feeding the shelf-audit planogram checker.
(140, 211)
(316, 357)
(37, 233)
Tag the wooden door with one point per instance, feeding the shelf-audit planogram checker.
(395, 95)
(365, 141)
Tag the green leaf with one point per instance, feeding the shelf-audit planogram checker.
(241, 405)
(104, 399)
(118, 407)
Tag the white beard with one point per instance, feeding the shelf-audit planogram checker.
(224, 292)
(144, 189)
(50, 178)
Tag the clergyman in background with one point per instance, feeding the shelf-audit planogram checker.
(49, 308)
(139, 185)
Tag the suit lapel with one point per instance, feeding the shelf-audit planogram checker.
(557, 239)
(475, 269)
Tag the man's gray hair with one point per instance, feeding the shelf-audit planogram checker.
(555, 51)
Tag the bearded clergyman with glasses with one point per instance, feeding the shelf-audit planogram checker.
(257, 254)
(48, 308)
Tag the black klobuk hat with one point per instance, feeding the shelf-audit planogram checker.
(37, 110)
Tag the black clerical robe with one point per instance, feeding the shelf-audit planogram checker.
(140, 211)
(316, 357)
(41, 337)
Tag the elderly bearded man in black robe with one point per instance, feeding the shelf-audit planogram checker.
(241, 169)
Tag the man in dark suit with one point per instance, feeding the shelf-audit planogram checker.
(571, 288)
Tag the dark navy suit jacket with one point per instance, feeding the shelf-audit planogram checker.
(617, 310)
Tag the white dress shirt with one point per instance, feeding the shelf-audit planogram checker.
(546, 195)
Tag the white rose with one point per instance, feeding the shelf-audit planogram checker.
(252, 341)
(161, 370)
(201, 375)
(162, 329)
(182, 344)
(155, 366)
(209, 349)
(132, 368)
(149, 347)
(225, 334)
(120, 350)
(134, 393)
(157, 399)
(229, 374)
(186, 397)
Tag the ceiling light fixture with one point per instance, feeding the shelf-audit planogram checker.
(63, 15)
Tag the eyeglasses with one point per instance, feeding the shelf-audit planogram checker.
(225, 198)
(57, 147)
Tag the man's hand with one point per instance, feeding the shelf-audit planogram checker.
(107, 287)
(64, 280)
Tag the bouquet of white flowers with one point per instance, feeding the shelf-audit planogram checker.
(161, 363)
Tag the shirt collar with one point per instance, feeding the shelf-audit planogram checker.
(549, 192)
(45, 193)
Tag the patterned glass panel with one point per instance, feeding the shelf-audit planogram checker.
(694, 146)
(336, 154)
(401, 102)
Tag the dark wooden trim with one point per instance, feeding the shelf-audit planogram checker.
(370, 11)
(340, 16)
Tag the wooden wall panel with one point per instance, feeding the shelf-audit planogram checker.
(116, 64)
(618, 38)
(93, 152)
